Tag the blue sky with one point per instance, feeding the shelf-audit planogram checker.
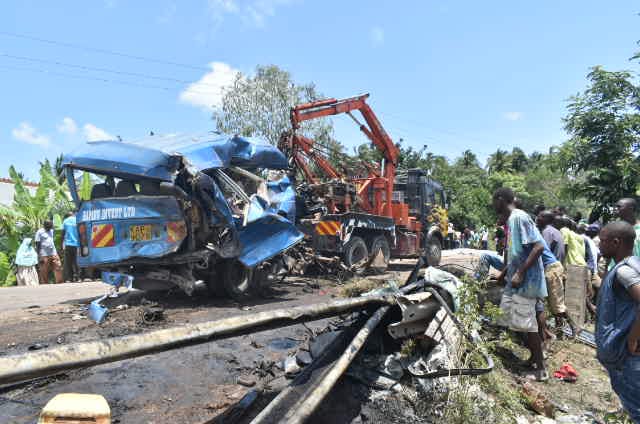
(452, 75)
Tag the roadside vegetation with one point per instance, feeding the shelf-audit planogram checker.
(27, 213)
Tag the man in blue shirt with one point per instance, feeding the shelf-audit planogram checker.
(71, 242)
(524, 275)
(618, 318)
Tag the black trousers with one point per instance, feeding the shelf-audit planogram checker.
(71, 271)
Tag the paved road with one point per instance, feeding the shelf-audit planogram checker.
(48, 294)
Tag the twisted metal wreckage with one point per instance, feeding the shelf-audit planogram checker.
(166, 211)
(305, 393)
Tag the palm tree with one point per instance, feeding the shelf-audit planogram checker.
(519, 160)
(468, 159)
(498, 162)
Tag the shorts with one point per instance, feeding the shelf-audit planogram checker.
(519, 313)
(554, 274)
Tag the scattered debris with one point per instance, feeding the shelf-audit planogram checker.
(304, 358)
(150, 314)
(38, 346)
(537, 400)
(566, 373)
(96, 311)
(291, 367)
(256, 345)
(247, 381)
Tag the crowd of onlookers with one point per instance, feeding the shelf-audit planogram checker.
(41, 251)
(468, 238)
(539, 252)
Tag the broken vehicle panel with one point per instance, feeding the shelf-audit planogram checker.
(167, 215)
(140, 226)
(215, 150)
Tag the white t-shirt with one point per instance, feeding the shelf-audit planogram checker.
(46, 240)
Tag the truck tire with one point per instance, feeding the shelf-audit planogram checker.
(237, 280)
(380, 243)
(355, 253)
(433, 251)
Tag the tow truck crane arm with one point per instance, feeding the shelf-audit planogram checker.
(298, 146)
(375, 132)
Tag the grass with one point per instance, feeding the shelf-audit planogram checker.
(492, 397)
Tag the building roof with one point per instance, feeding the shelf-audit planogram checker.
(10, 181)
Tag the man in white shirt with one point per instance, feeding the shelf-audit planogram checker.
(48, 259)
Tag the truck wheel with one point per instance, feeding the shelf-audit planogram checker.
(380, 244)
(237, 280)
(433, 251)
(355, 254)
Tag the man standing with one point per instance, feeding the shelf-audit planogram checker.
(575, 252)
(553, 269)
(618, 319)
(47, 254)
(524, 275)
(485, 239)
(71, 243)
(627, 209)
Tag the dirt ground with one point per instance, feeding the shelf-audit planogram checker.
(195, 384)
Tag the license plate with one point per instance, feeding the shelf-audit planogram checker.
(140, 232)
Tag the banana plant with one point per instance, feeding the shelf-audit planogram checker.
(29, 210)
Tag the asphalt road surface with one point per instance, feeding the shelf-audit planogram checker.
(12, 298)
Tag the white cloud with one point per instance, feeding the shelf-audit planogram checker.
(208, 91)
(67, 126)
(513, 116)
(27, 133)
(93, 133)
(377, 36)
(251, 12)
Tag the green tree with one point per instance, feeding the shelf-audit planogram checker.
(601, 157)
(499, 161)
(466, 183)
(519, 160)
(259, 105)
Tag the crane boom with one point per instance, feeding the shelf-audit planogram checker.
(374, 132)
